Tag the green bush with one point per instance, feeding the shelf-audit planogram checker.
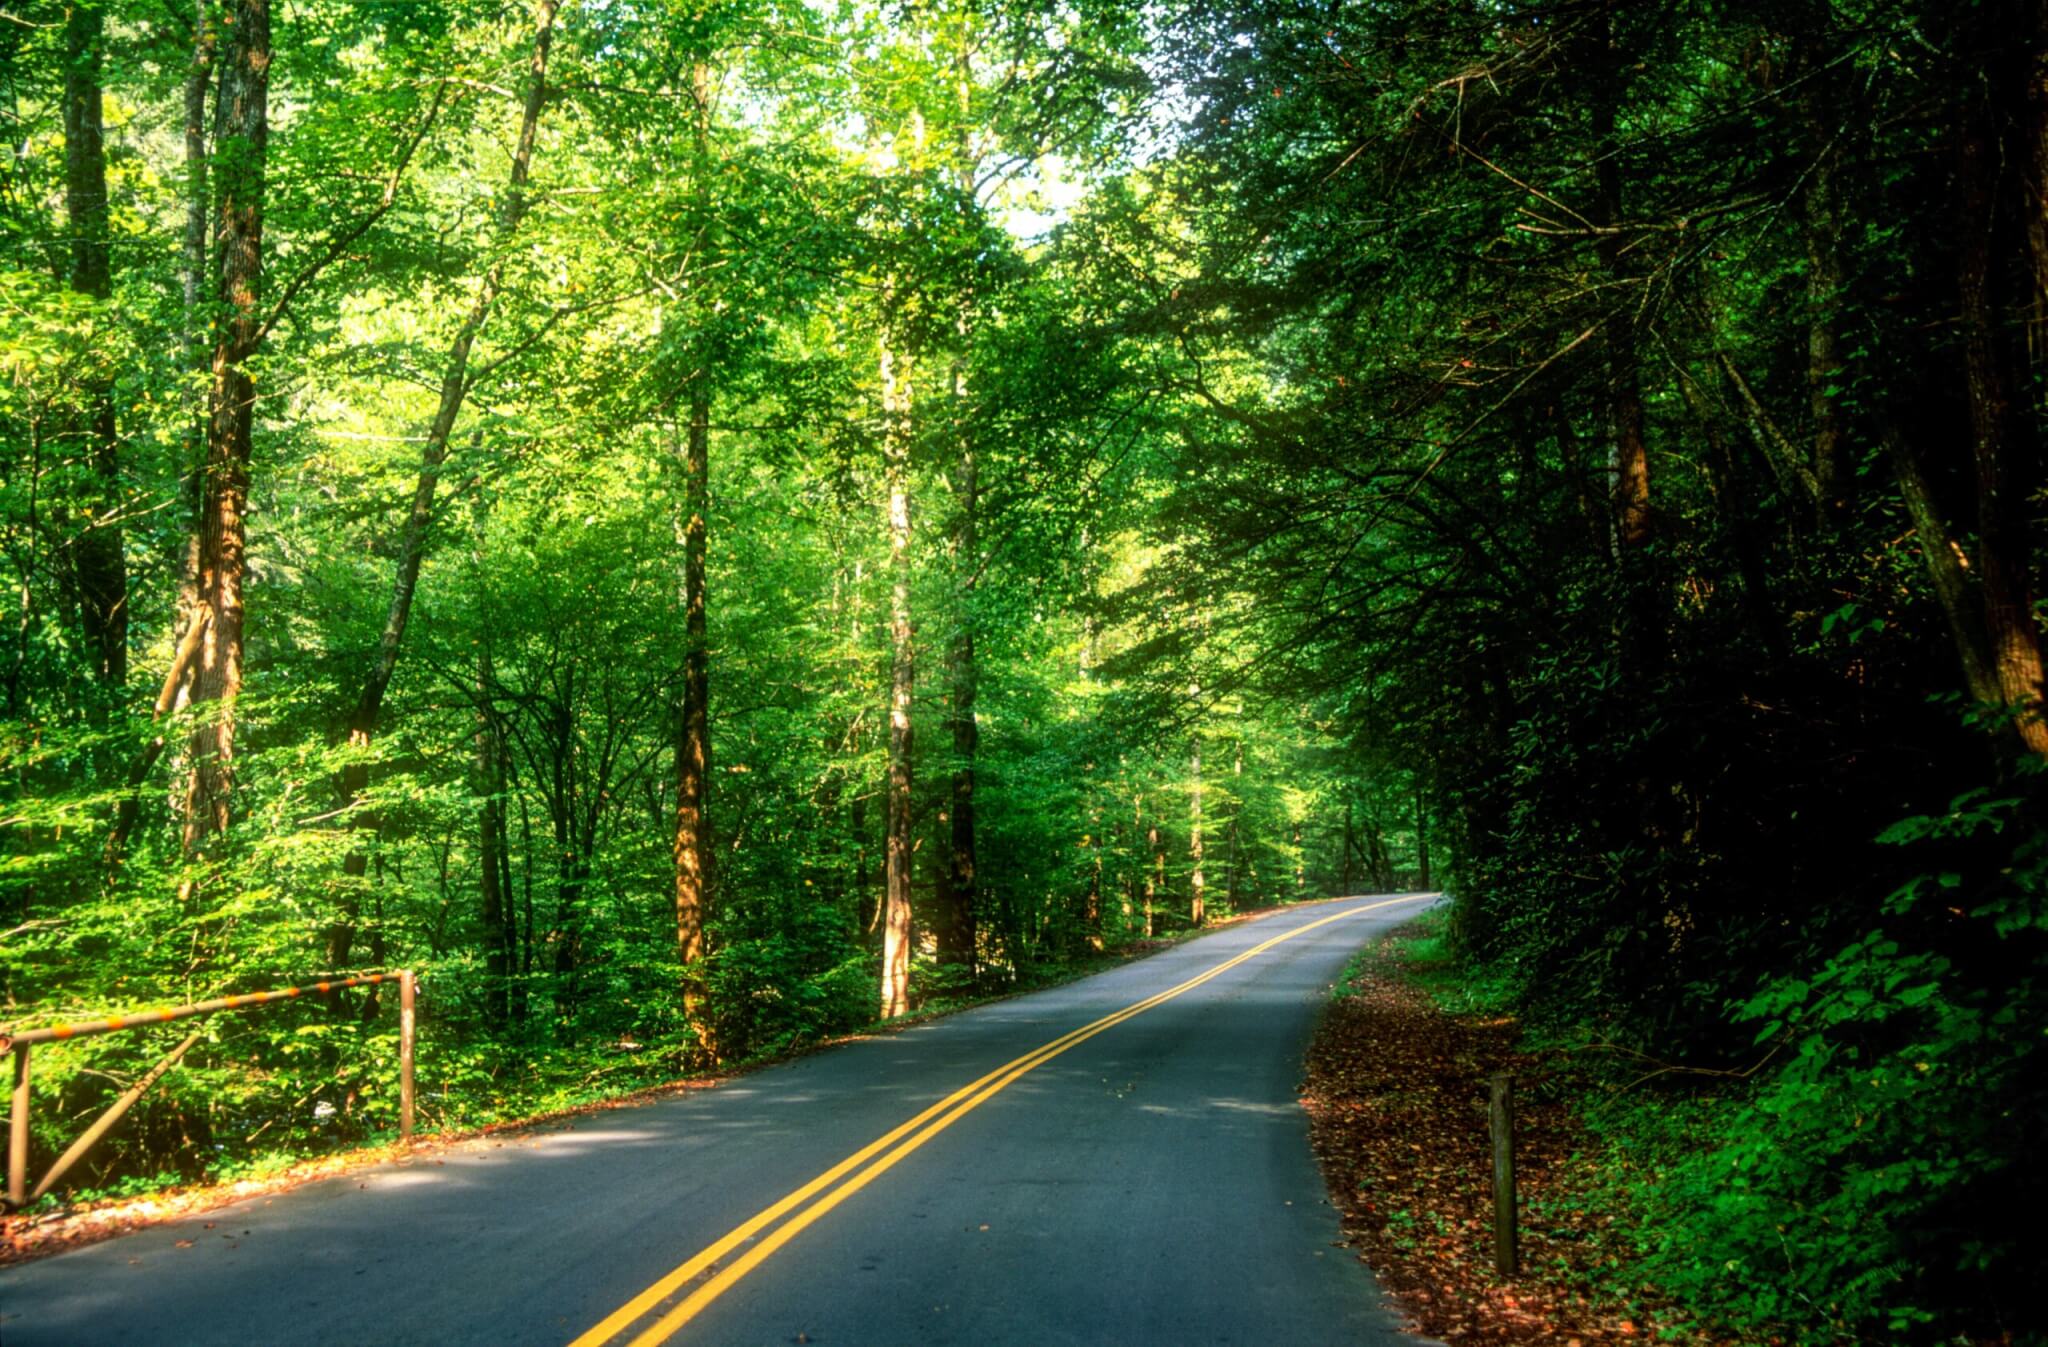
(1888, 1168)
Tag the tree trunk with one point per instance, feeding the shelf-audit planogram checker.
(1091, 916)
(1629, 461)
(1421, 842)
(958, 941)
(962, 677)
(491, 871)
(1233, 881)
(363, 720)
(192, 272)
(101, 568)
(1196, 912)
(2003, 552)
(1825, 284)
(693, 722)
(241, 136)
(896, 374)
(693, 735)
(1344, 880)
(1155, 882)
(2034, 204)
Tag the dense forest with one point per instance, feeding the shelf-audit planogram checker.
(696, 527)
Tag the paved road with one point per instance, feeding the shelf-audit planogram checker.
(1151, 1183)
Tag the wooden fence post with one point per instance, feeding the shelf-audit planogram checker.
(17, 1133)
(405, 1035)
(1506, 1255)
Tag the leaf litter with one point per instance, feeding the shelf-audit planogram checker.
(1396, 1092)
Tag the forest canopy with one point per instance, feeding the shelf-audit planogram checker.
(696, 526)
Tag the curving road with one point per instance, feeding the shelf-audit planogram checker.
(1120, 1160)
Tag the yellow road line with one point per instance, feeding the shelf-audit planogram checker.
(932, 1121)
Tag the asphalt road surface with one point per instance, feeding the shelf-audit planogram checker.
(1089, 1164)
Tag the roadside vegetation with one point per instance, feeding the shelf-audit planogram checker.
(698, 526)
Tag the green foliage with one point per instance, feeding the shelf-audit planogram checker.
(529, 726)
(1875, 1169)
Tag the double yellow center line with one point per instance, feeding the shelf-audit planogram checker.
(891, 1147)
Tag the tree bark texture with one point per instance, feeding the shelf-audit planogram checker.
(491, 862)
(1421, 841)
(1197, 912)
(1155, 879)
(2003, 551)
(241, 142)
(101, 568)
(958, 944)
(896, 377)
(958, 941)
(1629, 456)
(692, 850)
(693, 731)
(1946, 572)
(192, 273)
(1825, 283)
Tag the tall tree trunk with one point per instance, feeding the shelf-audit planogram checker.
(1826, 281)
(1421, 842)
(958, 940)
(2003, 552)
(241, 142)
(1155, 877)
(363, 720)
(491, 864)
(1197, 913)
(962, 680)
(1629, 456)
(1091, 915)
(1344, 879)
(896, 374)
(1945, 570)
(199, 77)
(100, 566)
(693, 732)
(693, 723)
(2034, 204)
(1233, 882)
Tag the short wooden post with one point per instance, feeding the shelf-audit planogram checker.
(405, 1022)
(1506, 1255)
(17, 1133)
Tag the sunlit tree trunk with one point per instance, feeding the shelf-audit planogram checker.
(363, 720)
(192, 272)
(896, 376)
(1196, 911)
(866, 910)
(693, 735)
(1155, 879)
(101, 568)
(1091, 916)
(693, 730)
(241, 141)
(957, 940)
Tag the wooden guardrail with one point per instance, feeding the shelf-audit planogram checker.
(18, 1191)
